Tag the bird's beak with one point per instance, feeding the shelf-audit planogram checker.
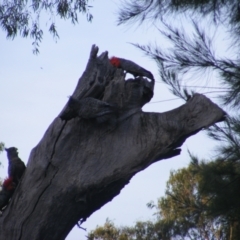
(6, 149)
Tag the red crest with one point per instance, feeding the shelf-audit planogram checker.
(8, 184)
(115, 61)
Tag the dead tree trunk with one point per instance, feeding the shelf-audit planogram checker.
(94, 147)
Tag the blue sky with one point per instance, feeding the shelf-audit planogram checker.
(34, 90)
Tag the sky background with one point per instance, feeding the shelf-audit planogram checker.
(34, 89)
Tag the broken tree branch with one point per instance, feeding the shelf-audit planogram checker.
(99, 141)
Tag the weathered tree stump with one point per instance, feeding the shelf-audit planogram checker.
(94, 147)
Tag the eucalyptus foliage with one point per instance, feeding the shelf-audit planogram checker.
(198, 204)
(24, 17)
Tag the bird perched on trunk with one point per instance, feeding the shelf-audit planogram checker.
(6, 193)
(16, 166)
(131, 67)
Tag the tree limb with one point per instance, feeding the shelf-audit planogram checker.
(85, 159)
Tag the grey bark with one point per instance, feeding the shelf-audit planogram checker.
(86, 157)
